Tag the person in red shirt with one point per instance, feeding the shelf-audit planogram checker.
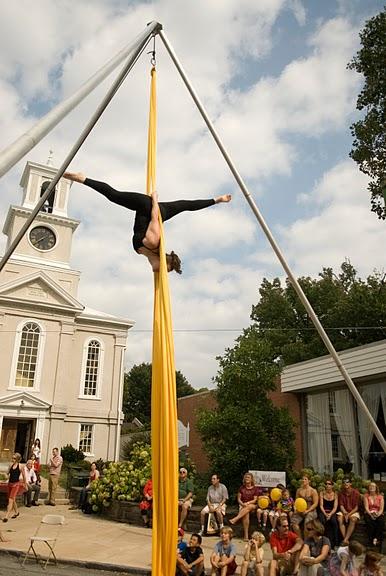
(348, 515)
(285, 546)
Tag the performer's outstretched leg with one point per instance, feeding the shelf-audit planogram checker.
(171, 209)
(132, 200)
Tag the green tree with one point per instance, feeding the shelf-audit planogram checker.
(137, 392)
(246, 431)
(352, 311)
(369, 145)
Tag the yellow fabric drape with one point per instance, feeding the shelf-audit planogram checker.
(163, 395)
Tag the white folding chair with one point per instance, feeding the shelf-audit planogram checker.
(46, 533)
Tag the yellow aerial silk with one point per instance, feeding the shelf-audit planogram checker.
(163, 396)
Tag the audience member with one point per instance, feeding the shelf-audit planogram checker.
(342, 562)
(371, 565)
(262, 513)
(33, 487)
(328, 506)
(83, 496)
(191, 560)
(285, 505)
(314, 555)
(311, 496)
(146, 504)
(223, 559)
(253, 556)
(285, 546)
(216, 498)
(36, 467)
(246, 498)
(374, 504)
(181, 544)
(348, 514)
(55, 468)
(185, 495)
(16, 485)
(36, 450)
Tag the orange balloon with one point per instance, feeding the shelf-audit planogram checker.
(300, 505)
(263, 502)
(275, 494)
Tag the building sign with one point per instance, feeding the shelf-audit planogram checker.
(183, 434)
(267, 478)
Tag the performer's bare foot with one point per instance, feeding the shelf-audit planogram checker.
(223, 198)
(75, 176)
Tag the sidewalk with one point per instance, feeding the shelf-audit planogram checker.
(90, 538)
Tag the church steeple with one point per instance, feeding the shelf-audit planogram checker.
(34, 181)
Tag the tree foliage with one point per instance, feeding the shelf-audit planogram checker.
(246, 431)
(137, 392)
(369, 145)
(352, 311)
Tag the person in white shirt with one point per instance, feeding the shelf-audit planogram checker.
(33, 487)
(216, 497)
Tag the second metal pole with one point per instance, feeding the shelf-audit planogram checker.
(303, 298)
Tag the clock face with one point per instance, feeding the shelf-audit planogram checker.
(42, 238)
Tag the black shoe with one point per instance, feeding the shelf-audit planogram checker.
(5, 519)
(51, 504)
(28, 505)
(16, 515)
(35, 503)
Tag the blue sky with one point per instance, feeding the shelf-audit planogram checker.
(272, 76)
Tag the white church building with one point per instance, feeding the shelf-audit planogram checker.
(61, 363)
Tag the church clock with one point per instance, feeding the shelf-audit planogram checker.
(42, 238)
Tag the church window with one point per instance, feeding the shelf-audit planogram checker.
(28, 356)
(86, 434)
(92, 368)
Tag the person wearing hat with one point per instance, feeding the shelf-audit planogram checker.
(348, 515)
(185, 495)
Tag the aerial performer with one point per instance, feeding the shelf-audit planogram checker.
(146, 237)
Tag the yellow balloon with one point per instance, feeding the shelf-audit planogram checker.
(263, 502)
(300, 505)
(275, 494)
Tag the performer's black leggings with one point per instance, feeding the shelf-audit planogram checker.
(142, 203)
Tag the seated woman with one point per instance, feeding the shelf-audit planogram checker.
(328, 506)
(247, 498)
(94, 475)
(374, 504)
(146, 230)
(146, 504)
(314, 555)
(311, 496)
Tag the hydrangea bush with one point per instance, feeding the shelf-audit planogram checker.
(122, 480)
(318, 480)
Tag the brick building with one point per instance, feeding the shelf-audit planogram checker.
(189, 406)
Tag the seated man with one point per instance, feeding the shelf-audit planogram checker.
(348, 515)
(216, 497)
(33, 487)
(285, 546)
(190, 562)
(185, 495)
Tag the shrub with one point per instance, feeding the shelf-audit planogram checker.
(318, 480)
(122, 480)
(71, 455)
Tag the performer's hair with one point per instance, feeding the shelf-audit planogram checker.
(174, 262)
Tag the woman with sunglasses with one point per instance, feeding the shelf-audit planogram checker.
(328, 505)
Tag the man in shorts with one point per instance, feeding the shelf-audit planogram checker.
(216, 497)
(348, 515)
(185, 495)
(285, 546)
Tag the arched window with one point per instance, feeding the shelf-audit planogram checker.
(92, 370)
(28, 355)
